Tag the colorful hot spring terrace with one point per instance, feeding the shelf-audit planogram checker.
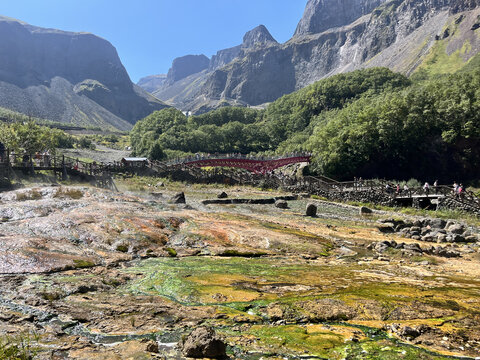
(93, 274)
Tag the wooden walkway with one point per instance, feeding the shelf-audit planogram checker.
(98, 174)
(238, 169)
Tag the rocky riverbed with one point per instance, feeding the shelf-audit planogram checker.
(95, 274)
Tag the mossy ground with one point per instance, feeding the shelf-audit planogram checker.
(285, 291)
(243, 288)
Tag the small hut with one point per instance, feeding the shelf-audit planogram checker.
(135, 162)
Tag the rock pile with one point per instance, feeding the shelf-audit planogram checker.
(414, 249)
(429, 230)
(455, 204)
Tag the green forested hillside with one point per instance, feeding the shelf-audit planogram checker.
(369, 123)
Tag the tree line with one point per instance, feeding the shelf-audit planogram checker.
(369, 123)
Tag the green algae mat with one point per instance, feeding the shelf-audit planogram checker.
(279, 307)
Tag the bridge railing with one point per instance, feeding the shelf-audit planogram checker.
(215, 156)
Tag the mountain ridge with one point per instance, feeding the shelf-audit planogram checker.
(96, 86)
(404, 35)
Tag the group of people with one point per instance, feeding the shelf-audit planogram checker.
(458, 189)
(396, 189)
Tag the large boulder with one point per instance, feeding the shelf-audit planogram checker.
(178, 198)
(365, 211)
(281, 204)
(222, 195)
(203, 343)
(311, 210)
(456, 229)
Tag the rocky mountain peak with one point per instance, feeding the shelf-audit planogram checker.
(187, 65)
(259, 35)
(67, 77)
(321, 15)
(152, 82)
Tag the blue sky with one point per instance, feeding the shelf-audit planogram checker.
(149, 34)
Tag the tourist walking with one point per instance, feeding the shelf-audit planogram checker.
(455, 189)
(426, 188)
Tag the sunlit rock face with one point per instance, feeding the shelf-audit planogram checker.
(333, 36)
(67, 77)
(321, 15)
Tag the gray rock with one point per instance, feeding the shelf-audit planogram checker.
(413, 247)
(441, 238)
(203, 343)
(417, 224)
(386, 228)
(311, 210)
(281, 204)
(449, 223)
(444, 252)
(381, 247)
(365, 210)
(425, 231)
(471, 238)
(222, 195)
(437, 223)
(456, 229)
(178, 198)
(223, 57)
(427, 238)
(458, 238)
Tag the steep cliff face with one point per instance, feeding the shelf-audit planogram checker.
(224, 57)
(335, 36)
(186, 66)
(32, 57)
(152, 82)
(321, 15)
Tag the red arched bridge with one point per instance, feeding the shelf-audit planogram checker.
(257, 165)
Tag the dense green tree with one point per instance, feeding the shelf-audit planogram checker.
(156, 152)
(30, 137)
(369, 123)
